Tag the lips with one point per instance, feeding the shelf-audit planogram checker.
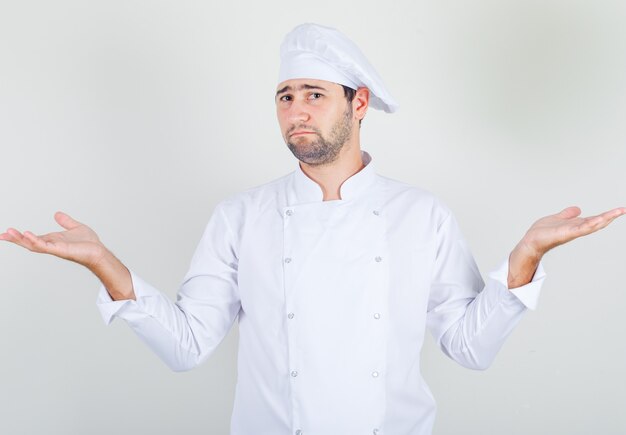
(299, 133)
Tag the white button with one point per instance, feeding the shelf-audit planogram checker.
(376, 316)
(378, 259)
(290, 315)
(289, 212)
(298, 432)
(287, 260)
(374, 374)
(294, 373)
(376, 213)
(375, 431)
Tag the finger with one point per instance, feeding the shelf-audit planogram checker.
(35, 243)
(27, 240)
(66, 221)
(595, 223)
(19, 239)
(13, 235)
(7, 236)
(30, 241)
(611, 215)
(615, 213)
(569, 212)
(607, 216)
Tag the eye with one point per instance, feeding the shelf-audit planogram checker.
(285, 98)
(315, 95)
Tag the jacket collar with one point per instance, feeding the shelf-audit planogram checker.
(303, 189)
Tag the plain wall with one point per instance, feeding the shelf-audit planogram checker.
(136, 117)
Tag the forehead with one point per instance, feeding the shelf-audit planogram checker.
(293, 85)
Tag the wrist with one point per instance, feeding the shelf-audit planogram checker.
(523, 263)
(115, 277)
(528, 250)
(102, 260)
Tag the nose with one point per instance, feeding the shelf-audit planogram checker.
(298, 113)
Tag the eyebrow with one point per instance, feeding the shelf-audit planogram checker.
(300, 88)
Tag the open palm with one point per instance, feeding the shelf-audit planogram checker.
(78, 243)
(552, 231)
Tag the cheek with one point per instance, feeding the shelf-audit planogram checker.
(282, 123)
(327, 120)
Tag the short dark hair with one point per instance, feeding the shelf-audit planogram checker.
(350, 93)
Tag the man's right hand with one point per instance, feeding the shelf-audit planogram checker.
(80, 244)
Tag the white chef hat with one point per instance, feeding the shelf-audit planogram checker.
(311, 51)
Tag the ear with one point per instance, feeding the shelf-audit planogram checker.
(361, 103)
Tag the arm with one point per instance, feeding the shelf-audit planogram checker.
(181, 333)
(469, 319)
(186, 332)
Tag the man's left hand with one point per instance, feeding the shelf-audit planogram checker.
(550, 232)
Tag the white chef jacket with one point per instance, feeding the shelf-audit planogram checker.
(333, 299)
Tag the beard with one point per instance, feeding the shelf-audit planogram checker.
(322, 150)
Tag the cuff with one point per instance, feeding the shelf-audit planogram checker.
(527, 294)
(127, 309)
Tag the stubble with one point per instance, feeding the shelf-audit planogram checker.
(322, 150)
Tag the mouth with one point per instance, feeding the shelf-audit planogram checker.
(301, 133)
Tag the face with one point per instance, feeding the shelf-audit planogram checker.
(315, 119)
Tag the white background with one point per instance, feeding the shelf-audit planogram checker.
(136, 117)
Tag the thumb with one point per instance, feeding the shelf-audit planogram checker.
(570, 212)
(66, 221)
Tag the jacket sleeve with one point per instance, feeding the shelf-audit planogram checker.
(185, 333)
(468, 318)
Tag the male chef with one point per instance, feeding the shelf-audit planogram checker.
(333, 272)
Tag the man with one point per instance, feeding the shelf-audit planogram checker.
(333, 272)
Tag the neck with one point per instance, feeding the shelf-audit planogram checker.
(331, 176)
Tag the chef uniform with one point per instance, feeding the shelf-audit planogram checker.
(332, 298)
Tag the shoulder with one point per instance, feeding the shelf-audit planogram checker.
(408, 198)
(254, 199)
